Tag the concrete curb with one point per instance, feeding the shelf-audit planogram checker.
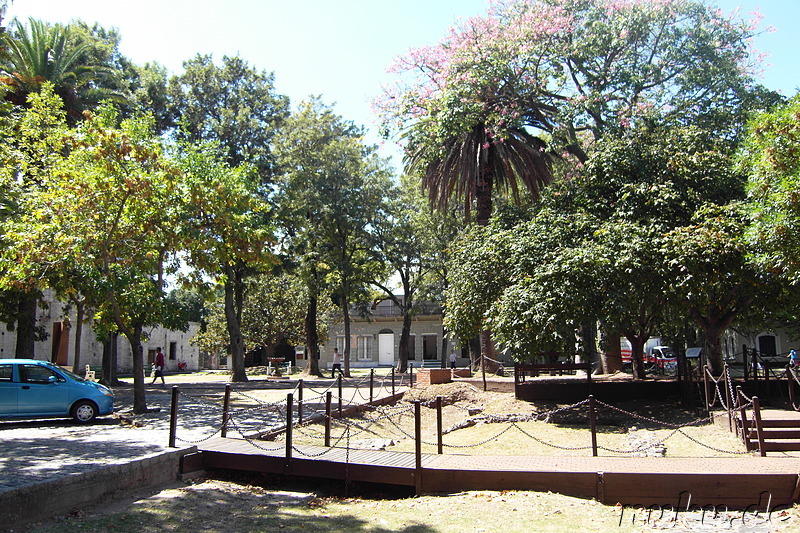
(61, 496)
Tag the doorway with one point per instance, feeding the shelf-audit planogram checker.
(386, 348)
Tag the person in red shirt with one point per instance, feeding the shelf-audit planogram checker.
(159, 366)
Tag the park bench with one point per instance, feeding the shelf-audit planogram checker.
(92, 371)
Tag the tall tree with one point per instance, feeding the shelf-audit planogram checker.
(330, 184)
(110, 208)
(34, 148)
(226, 233)
(715, 276)
(232, 105)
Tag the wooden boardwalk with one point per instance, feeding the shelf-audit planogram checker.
(737, 482)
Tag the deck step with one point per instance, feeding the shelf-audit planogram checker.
(773, 423)
(775, 434)
(785, 446)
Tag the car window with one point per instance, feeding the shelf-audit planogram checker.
(37, 374)
(5, 372)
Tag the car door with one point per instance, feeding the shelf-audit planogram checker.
(8, 390)
(42, 391)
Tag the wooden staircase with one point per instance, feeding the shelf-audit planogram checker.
(770, 430)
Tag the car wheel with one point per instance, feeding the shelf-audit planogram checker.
(84, 411)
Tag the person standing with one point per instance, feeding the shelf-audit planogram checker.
(794, 359)
(337, 363)
(158, 362)
(453, 359)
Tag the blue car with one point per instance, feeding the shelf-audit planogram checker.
(40, 389)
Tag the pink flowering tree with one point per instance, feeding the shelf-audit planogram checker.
(573, 69)
(486, 107)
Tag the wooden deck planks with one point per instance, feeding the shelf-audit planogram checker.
(735, 481)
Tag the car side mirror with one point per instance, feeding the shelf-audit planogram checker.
(52, 380)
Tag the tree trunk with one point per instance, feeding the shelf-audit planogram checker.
(405, 333)
(589, 338)
(611, 358)
(134, 337)
(488, 354)
(713, 350)
(26, 326)
(475, 353)
(238, 374)
(79, 310)
(346, 314)
(312, 338)
(108, 375)
(637, 355)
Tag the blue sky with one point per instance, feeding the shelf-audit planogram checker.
(338, 49)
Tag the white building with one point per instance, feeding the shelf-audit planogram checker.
(59, 347)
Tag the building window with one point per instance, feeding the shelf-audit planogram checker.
(340, 343)
(767, 346)
(173, 350)
(364, 347)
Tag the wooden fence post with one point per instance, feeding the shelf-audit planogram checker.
(418, 447)
(371, 384)
(439, 443)
(340, 396)
(173, 417)
(411, 375)
(226, 409)
(483, 370)
(299, 401)
(759, 431)
(289, 408)
(392, 380)
(328, 419)
(705, 388)
(593, 424)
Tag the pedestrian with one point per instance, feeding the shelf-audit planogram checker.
(337, 363)
(794, 359)
(453, 359)
(158, 364)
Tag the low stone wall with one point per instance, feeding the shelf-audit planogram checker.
(61, 496)
(462, 373)
(433, 376)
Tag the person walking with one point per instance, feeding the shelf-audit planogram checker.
(337, 363)
(158, 363)
(794, 359)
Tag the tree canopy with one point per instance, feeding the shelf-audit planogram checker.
(233, 105)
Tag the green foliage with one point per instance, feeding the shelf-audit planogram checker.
(332, 186)
(275, 308)
(771, 156)
(63, 56)
(599, 247)
(224, 231)
(232, 105)
(576, 69)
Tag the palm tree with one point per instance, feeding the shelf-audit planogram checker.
(471, 166)
(50, 53)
